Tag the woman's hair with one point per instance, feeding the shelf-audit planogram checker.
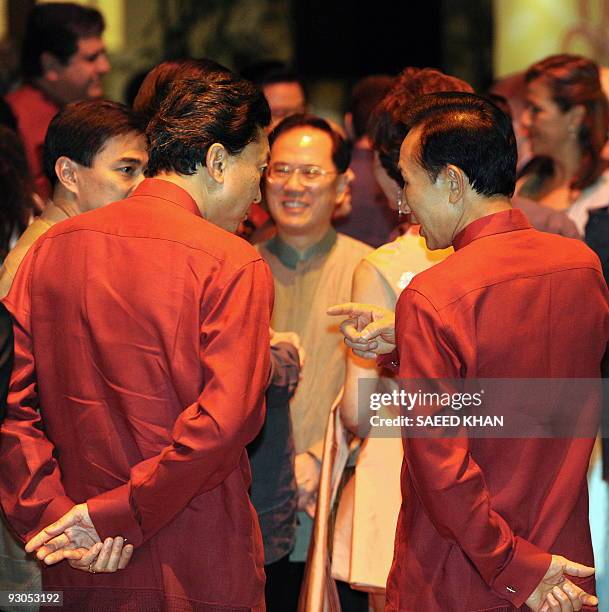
(16, 188)
(386, 127)
(574, 80)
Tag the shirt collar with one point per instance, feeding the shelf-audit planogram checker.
(290, 257)
(165, 190)
(496, 223)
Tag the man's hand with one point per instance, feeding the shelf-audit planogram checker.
(369, 330)
(291, 338)
(73, 537)
(556, 593)
(307, 470)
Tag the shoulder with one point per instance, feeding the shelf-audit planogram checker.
(503, 258)
(347, 244)
(158, 221)
(27, 99)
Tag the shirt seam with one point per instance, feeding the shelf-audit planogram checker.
(500, 282)
(130, 236)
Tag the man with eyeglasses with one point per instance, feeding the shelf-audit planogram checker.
(312, 266)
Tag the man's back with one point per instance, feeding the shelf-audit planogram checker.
(510, 303)
(148, 395)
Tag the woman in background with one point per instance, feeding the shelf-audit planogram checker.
(379, 279)
(567, 118)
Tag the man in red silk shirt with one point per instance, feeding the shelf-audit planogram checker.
(142, 355)
(487, 524)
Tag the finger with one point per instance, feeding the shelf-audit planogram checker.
(553, 605)
(57, 556)
(365, 354)
(376, 328)
(348, 328)
(52, 545)
(544, 607)
(365, 347)
(577, 569)
(563, 599)
(90, 555)
(125, 556)
(588, 600)
(104, 555)
(572, 593)
(348, 308)
(51, 531)
(115, 554)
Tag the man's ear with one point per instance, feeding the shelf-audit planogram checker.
(456, 182)
(342, 185)
(67, 173)
(216, 161)
(50, 66)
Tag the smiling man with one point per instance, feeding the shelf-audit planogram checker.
(312, 266)
(62, 60)
(477, 529)
(159, 317)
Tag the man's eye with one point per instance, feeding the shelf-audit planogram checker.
(281, 170)
(129, 170)
(311, 171)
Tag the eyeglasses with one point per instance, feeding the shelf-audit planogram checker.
(309, 175)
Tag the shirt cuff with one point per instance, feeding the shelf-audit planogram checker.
(112, 515)
(54, 510)
(390, 361)
(524, 571)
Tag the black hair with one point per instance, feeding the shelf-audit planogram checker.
(269, 72)
(198, 112)
(157, 83)
(17, 189)
(386, 126)
(365, 96)
(341, 150)
(81, 129)
(56, 28)
(469, 132)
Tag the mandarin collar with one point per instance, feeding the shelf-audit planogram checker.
(165, 190)
(290, 257)
(495, 223)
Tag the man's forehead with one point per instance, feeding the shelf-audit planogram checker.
(90, 45)
(304, 140)
(127, 145)
(410, 144)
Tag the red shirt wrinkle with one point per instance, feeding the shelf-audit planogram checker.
(511, 302)
(142, 335)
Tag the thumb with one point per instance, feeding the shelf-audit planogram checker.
(54, 529)
(577, 569)
(374, 329)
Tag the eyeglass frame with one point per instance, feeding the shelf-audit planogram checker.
(298, 169)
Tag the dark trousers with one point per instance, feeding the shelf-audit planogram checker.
(283, 582)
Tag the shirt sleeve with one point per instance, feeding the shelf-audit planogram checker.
(210, 436)
(31, 490)
(447, 479)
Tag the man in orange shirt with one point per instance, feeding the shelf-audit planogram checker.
(141, 362)
(479, 530)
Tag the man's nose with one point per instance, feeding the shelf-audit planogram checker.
(102, 64)
(293, 183)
